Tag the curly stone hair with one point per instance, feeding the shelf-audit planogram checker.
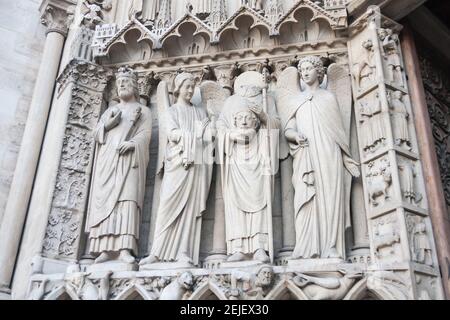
(316, 62)
(179, 80)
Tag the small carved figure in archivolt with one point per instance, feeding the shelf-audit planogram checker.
(421, 243)
(400, 118)
(392, 56)
(407, 178)
(365, 71)
(379, 179)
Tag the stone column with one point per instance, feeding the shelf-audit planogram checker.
(56, 18)
(400, 231)
(60, 193)
(435, 193)
(287, 207)
(219, 251)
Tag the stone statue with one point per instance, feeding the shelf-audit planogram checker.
(150, 9)
(365, 70)
(377, 124)
(327, 285)
(178, 288)
(201, 6)
(247, 146)
(251, 286)
(319, 144)
(421, 244)
(254, 4)
(122, 139)
(135, 8)
(186, 137)
(392, 56)
(400, 117)
(92, 14)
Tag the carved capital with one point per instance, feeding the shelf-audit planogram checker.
(147, 83)
(57, 15)
(87, 74)
(225, 75)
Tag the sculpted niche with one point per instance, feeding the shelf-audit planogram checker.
(122, 139)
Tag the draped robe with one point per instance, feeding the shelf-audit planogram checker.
(183, 192)
(118, 183)
(321, 214)
(247, 172)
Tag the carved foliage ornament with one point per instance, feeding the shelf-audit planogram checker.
(56, 19)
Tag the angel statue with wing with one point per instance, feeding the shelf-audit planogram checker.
(186, 137)
(247, 147)
(316, 126)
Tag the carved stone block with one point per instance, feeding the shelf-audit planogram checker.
(386, 239)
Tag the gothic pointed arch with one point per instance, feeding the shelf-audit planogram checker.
(208, 291)
(134, 292)
(286, 290)
(62, 293)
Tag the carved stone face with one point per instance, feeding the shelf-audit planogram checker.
(397, 95)
(186, 280)
(186, 90)
(265, 277)
(245, 120)
(309, 73)
(125, 88)
(383, 34)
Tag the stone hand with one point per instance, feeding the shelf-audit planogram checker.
(126, 146)
(175, 136)
(301, 140)
(352, 166)
(113, 120)
(259, 113)
(243, 135)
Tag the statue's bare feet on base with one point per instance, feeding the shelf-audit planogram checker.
(334, 254)
(125, 256)
(184, 258)
(149, 260)
(239, 256)
(261, 255)
(103, 257)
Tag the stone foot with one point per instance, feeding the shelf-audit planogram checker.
(261, 255)
(125, 256)
(184, 258)
(334, 254)
(103, 257)
(149, 260)
(239, 256)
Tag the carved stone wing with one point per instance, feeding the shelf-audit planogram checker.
(163, 103)
(286, 93)
(339, 82)
(213, 97)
